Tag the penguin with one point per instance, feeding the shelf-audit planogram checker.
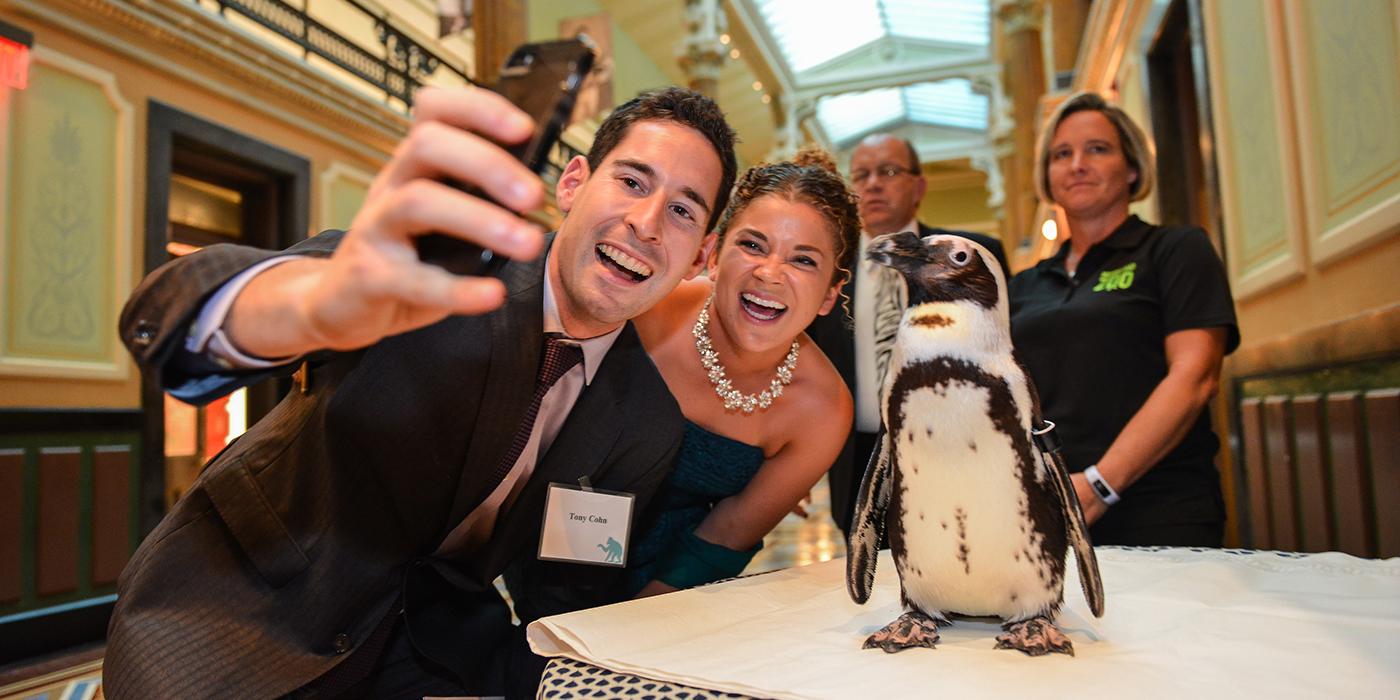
(979, 519)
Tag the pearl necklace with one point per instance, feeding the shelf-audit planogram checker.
(733, 398)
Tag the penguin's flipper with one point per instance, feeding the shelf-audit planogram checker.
(1089, 577)
(1042, 436)
(868, 525)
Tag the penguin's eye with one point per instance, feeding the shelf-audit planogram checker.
(960, 257)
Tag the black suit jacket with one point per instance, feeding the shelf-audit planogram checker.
(295, 541)
(834, 334)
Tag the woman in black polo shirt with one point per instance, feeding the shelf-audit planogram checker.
(1123, 331)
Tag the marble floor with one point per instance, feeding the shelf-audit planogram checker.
(798, 541)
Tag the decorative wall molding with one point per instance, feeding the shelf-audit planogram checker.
(1258, 159)
(113, 364)
(1343, 133)
(238, 66)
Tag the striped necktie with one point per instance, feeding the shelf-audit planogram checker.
(559, 357)
(889, 309)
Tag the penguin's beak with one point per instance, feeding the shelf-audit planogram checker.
(887, 248)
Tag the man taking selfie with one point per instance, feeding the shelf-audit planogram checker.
(347, 544)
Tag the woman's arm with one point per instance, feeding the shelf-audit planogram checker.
(740, 521)
(813, 436)
(1193, 374)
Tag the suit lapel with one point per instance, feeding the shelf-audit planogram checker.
(516, 332)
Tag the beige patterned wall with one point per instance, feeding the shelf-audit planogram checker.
(66, 235)
(1346, 75)
(343, 189)
(1256, 154)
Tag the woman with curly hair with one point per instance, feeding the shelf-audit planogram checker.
(766, 411)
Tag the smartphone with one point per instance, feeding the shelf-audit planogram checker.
(543, 80)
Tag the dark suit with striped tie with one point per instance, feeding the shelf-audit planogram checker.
(304, 535)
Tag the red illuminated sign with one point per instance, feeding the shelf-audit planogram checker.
(14, 64)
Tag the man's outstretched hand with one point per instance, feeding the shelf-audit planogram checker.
(374, 285)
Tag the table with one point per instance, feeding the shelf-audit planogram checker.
(1178, 623)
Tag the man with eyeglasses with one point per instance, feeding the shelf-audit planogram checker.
(885, 173)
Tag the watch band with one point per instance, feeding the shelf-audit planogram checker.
(1100, 485)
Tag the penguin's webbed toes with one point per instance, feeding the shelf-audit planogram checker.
(1036, 637)
(912, 629)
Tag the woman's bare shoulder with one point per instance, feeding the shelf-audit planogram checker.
(821, 394)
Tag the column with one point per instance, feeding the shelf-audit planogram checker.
(1018, 29)
(702, 54)
(499, 27)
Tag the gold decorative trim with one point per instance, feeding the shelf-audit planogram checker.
(1020, 16)
(1365, 336)
(1105, 40)
(239, 65)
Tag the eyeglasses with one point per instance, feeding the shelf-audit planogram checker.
(883, 172)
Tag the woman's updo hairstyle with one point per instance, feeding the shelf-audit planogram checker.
(812, 179)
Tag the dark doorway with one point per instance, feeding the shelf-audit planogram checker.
(207, 184)
(1178, 111)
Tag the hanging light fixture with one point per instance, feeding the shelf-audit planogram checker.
(1050, 229)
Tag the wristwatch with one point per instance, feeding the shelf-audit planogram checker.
(1100, 485)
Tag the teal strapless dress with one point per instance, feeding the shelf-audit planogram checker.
(709, 468)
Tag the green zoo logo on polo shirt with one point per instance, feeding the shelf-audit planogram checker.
(1112, 280)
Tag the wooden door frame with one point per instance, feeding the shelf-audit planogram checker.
(169, 129)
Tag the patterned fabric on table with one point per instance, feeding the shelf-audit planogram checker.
(565, 679)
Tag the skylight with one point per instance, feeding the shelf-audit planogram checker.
(951, 21)
(812, 32)
(853, 114)
(949, 103)
(946, 103)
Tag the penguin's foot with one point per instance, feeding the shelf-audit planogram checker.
(1036, 636)
(912, 629)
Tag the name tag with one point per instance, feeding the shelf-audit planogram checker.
(586, 526)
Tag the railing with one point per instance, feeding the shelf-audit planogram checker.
(1321, 459)
(69, 519)
(399, 72)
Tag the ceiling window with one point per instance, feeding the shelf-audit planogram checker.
(812, 32)
(949, 103)
(946, 103)
(948, 21)
(845, 117)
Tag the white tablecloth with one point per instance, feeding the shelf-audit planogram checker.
(1178, 623)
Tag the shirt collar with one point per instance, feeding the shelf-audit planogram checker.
(1129, 234)
(594, 349)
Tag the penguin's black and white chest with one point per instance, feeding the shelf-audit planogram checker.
(973, 524)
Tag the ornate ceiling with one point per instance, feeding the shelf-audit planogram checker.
(833, 71)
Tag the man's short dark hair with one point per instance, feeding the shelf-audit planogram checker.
(684, 107)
